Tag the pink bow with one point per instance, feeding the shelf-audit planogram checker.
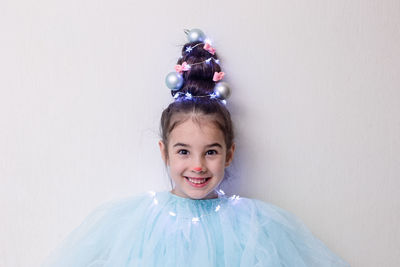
(182, 68)
(209, 48)
(218, 76)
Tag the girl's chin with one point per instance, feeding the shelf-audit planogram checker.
(201, 194)
(191, 190)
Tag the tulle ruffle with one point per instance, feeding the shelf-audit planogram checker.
(162, 229)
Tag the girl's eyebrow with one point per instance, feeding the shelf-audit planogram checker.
(185, 145)
(215, 144)
(180, 144)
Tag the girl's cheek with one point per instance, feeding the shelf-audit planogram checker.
(177, 163)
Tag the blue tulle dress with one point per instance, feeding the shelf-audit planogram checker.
(162, 229)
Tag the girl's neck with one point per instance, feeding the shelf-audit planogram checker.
(212, 195)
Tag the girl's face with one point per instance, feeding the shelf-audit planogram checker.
(197, 157)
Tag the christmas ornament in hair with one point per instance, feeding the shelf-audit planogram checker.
(195, 35)
(222, 90)
(174, 81)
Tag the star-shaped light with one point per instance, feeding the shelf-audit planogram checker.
(189, 49)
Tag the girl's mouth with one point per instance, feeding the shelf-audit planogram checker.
(197, 182)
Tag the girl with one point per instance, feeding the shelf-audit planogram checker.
(194, 224)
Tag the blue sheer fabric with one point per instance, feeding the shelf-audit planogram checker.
(162, 229)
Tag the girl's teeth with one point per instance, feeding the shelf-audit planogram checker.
(197, 181)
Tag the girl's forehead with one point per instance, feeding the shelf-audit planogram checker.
(198, 120)
(196, 129)
(195, 117)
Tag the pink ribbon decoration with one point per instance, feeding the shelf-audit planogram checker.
(218, 76)
(182, 68)
(209, 48)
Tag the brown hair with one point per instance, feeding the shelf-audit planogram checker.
(198, 81)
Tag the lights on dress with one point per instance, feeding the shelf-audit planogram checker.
(153, 195)
(221, 192)
(197, 219)
(172, 213)
(234, 197)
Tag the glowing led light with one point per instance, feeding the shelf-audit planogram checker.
(223, 102)
(235, 197)
(172, 213)
(155, 201)
(176, 95)
(188, 95)
(190, 48)
(217, 208)
(221, 192)
(195, 219)
(208, 60)
(213, 95)
(217, 61)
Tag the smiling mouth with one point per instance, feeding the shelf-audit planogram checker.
(197, 182)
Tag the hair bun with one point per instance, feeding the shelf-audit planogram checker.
(198, 79)
(198, 71)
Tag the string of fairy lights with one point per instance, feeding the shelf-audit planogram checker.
(195, 219)
(222, 91)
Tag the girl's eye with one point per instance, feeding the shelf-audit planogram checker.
(183, 152)
(211, 152)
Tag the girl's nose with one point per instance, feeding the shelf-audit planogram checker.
(198, 169)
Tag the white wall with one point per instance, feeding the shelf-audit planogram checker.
(315, 99)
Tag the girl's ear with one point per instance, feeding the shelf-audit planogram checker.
(163, 151)
(229, 155)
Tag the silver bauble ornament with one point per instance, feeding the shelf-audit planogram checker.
(195, 35)
(174, 81)
(222, 90)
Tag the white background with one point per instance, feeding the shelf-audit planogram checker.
(315, 101)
